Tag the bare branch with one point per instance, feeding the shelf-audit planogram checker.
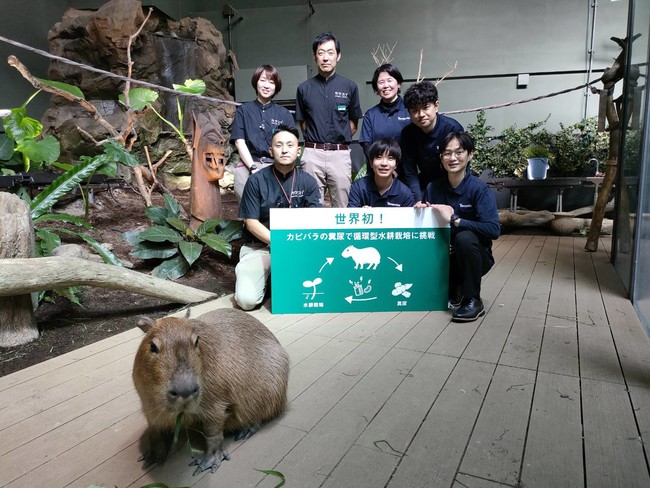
(383, 53)
(129, 62)
(453, 68)
(418, 79)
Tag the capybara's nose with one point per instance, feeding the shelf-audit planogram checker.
(184, 385)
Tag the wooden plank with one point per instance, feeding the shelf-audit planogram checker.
(614, 456)
(467, 481)
(598, 357)
(641, 407)
(362, 467)
(339, 324)
(332, 435)
(401, 416)
(316, 365)
(630, 337)
(314, 403)
(495, 448)
(454, 339)
(590, 309)
(395, 329)
(302, 348)
(64, 360)
(488, 342)
(559, 352)
(367, 326)
(424, 332)
(433, 457)
(534, 303)
(553, 455)
(82, 423)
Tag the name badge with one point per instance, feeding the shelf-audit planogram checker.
(341, 108)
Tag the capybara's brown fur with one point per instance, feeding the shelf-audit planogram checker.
(225, 372)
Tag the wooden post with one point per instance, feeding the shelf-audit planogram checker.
(17, 321)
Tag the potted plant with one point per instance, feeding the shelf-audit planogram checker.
(538, 157)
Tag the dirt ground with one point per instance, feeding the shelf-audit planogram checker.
(65, 326)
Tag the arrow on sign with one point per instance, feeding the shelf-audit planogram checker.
(350, 299)
(398, 267)
(327, 261)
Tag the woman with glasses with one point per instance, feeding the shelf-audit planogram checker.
(471, 210)
(254, 123)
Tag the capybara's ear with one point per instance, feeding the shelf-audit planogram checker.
(145, 323)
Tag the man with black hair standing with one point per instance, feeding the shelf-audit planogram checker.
(328, 110)
(421, 139)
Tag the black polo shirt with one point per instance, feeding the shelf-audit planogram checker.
(420, 163)
(327, 106)
(262, 193)
(255, 122)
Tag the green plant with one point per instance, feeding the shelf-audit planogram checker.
(575, 145)
(172, 241)
(141, 98)
(536, 151)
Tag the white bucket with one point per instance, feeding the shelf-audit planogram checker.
(537, 168)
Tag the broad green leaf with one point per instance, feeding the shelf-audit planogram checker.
(158, 233)
(195, 87)
(232, 230)
(132, 237)
(117, 152)
(6, 147)
(69, 293)
(48, 241)
(172, 268)
(20, 127)
(154, 250)
(63, 184)
(208, 226)
(158, 215)
(277, 474)
(105, 253)
(63, 86)
(109, 169)
(63, 217)
(140, 98)
(190, 250)
(177, 224)
(172, 205)
(218, 243)
(46, 150)
(63, 166)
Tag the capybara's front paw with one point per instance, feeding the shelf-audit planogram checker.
(211, 462)
(159, 444)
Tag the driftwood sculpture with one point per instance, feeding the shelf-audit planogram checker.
(208, 166)
(610, 77)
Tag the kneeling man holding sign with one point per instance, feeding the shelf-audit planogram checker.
(281, 185)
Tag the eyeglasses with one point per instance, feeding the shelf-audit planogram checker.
(448, 154)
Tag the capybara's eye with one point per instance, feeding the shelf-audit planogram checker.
(153, 347)
(196, 341)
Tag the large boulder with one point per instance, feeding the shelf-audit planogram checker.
(165, 52)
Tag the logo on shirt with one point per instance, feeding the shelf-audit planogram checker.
(275, 122)
(403, 118)
(297, 194)
(465, 205)
(339, 94)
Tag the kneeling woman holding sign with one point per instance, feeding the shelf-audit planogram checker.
(382, 189)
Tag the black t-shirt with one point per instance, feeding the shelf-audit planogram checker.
(263, 192)
(327, 106)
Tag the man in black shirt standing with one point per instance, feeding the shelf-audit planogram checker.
(279, 186)
(328, 109)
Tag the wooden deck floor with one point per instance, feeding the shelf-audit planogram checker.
(550, 389)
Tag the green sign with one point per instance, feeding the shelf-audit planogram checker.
(358, 260)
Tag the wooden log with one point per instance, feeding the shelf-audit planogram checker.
(17, 321)
(525, 218)
(18, 276)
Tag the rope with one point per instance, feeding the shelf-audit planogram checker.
(113, 75)
(228, 102)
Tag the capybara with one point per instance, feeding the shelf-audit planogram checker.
(361, 257)
(225, 372)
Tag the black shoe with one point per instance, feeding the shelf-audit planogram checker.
(454, 302)
(469, 311)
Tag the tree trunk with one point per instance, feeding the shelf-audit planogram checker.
(26, 275)
(17, 322)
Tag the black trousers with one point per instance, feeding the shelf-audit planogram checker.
(469, 260)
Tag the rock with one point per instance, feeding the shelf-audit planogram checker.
(165, 52)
